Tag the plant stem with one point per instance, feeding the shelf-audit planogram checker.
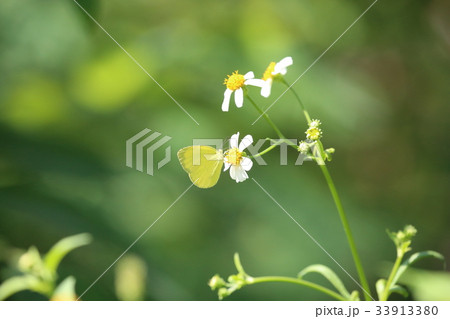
(266, 117)
(268, 149)
(272, 124)
(351, 241)
(337, 201)
(334, 194)
(305, 112)
(387, 287)
(298, 282)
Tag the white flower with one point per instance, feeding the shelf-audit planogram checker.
(303, 147)
(235, 161)
(315, 123)
(273, 70)
(234, 83)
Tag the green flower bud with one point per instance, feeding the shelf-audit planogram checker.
(216, 282)
(223, 293)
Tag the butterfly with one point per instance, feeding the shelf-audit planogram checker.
(202, 163)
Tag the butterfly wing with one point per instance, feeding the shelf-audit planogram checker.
(202, 163)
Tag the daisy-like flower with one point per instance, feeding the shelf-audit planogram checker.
(303, 147)
(234, 159)
(314, 132)
(315, 123)
(235, 82)
(272, 71)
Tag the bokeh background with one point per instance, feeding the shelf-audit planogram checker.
(70, 98)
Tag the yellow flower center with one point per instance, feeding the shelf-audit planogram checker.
(233, 156)
(314, 133)
(234, 81)
(268, 72)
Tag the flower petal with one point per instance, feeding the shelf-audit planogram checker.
(249, 75)
(239, 97)
(246, 141)
(234, 140)
(233, 172)
(280, 67)
(246, 163)
(255, 82)
(226, 166)
(287, 61)
(240, 174)
(265, 90)
(226, 100)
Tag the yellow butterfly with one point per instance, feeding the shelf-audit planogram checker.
(202, 163)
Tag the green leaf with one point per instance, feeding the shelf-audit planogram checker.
(428, 285)
(400, 290)
(65, 290)
(354, 296)
(330, 275)
(27, 282)
(414, 258)
(62, 248)
(380, 285)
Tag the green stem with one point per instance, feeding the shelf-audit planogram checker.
(272, 124)
(266, 117)
(387, 287)
(351, 241)
(305, 112)
(296, 281)
(337, 201)
(268, 149)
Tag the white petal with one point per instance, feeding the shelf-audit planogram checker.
(227, 166)
(234, 140)
(280, 67)
(239, 97)
(249, 75)
(246, 141)
(246, 163)
(265, 90)
(226, 100)
(244, 175)
(287, 61)
(240, 174)
(255, 82)
(233, 172)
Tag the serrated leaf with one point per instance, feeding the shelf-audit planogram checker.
(414, 258)
(330, 275)
(380, 285)
(62, 248)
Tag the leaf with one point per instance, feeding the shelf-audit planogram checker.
(427, 284)
(400, 290)
(62, 248)
(330, 275)
(354, 296)
(65, 290)
(18, 283)
(380, 285)
(414, 258)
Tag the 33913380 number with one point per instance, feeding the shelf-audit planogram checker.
(406, 310)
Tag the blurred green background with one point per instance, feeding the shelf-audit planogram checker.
(70, 98)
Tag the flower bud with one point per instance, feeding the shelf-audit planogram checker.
(216, 282)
